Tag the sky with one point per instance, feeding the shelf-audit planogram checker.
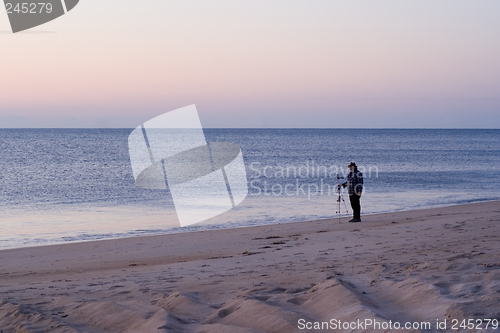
(257, 64)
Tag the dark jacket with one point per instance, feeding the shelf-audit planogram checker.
(354, 182)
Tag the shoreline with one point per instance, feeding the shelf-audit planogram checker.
(252, 226)
(419, 265)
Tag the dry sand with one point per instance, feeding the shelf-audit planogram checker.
(413, 266)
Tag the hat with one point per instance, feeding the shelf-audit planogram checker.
(353, 164)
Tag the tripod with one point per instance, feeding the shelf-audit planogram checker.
(340, 198)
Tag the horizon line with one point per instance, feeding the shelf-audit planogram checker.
(273, 128)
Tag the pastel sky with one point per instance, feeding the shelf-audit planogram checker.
(257, 63)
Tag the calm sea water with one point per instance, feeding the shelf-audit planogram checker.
(63, 185)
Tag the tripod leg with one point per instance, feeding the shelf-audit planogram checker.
(339, 209)
(338, 212)
(345, 204)
(338, 215)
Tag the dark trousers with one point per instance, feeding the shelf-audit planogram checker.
(356, 207)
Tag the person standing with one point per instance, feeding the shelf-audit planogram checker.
(354, 186)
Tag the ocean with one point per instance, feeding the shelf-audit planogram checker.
(70, 185)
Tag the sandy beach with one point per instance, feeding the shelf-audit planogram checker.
(417, 266)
